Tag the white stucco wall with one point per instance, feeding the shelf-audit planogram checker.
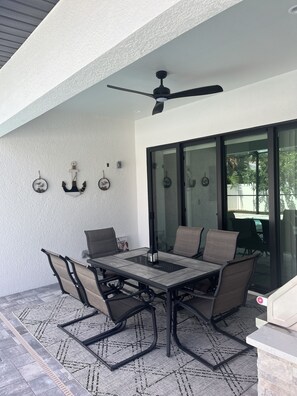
(53, 220)
(270, 101)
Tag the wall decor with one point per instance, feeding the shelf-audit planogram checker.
(166, 181)
(190, 181)
(205, 181)
(104, 183)
(74, 191)
(40, 185)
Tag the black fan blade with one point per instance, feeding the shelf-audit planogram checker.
(159, 106)
(210, 89)
(131, 90)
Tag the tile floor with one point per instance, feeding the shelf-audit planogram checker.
(26, 368)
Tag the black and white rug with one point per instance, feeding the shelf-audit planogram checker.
(154, 374)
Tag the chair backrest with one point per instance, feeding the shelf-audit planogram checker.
(232, 288)
(59, 266)
(101, 242)
(187, 241)
(220, 246)
(87, 279)
(248, 236)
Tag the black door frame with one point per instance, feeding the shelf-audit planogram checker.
(273, 172)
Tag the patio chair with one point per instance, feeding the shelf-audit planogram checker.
(102, 242)
(64, 275)
(114, 304)
(187, 241)
(248, 238)
(229, 296)
(220, 247)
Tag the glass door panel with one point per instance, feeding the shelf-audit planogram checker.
(248, 201)
(287, 139)
(165, 197)
(200, 187)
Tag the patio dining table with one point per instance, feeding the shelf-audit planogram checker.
(170, 273)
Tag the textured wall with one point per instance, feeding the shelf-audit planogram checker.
(54, 220)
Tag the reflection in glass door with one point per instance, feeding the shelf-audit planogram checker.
(200, 186)
(248, 201)
(287, 139)
(165, 197)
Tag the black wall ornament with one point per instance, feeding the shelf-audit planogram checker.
(104, 183)
(167, 181)
(74, 191)
(205, 181)
(40, 185)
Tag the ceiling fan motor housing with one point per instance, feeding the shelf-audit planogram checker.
(160, 93)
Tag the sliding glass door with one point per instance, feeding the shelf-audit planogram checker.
(200, 186)
(287, 140)
(245, 182)
(164, 197)
(247, 193)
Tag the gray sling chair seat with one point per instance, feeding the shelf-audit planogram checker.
(114, 304)
(220, 247)
(187, 241)
(66, 278)
(229, 296)
(64, 275)
(102, 242)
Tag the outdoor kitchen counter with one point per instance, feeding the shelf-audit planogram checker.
(277, 360)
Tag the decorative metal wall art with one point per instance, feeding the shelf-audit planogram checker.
(104, 183)
(205, 181)
(74, 191)
(166, 181)
(40, 185)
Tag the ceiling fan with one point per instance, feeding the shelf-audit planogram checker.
(161, 93)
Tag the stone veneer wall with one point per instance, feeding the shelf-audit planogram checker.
(276, 376)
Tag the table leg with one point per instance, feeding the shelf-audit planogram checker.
(168, 321)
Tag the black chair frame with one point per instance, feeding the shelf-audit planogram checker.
(78, 292)
(213, 320)
(120, 324)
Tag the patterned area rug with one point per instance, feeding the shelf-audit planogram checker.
(154, 374)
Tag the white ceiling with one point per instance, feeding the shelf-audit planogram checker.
(249, 42)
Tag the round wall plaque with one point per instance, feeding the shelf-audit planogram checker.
(104, 184)
(205, 181)
(40, 185)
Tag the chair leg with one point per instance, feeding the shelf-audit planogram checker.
(199, 358)
(116, 329)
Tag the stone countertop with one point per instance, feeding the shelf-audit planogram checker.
(278, 341)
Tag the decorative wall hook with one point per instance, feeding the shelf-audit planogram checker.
(74, 191)
(104, 183)
(40, 185)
